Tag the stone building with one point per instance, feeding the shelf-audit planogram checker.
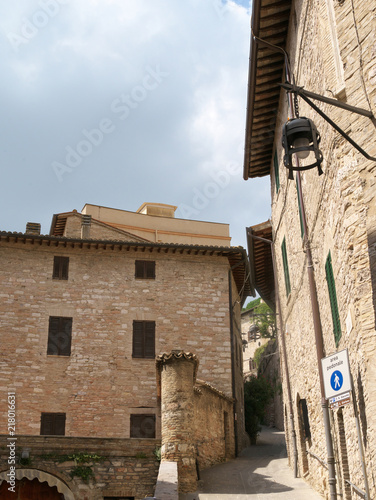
(322, 227)
(85, 312)
(251, 342)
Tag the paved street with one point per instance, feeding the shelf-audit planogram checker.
(260, 473)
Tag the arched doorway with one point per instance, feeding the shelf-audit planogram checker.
(33, 484)
(27, 489)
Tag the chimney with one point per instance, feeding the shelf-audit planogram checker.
(85, 226)
(33, 228)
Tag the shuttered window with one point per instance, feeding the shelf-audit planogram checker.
(61, 265)
(143, 339)
(276, 171)
(142, 426)
(304, 418)
(145, 269)
(59, 336)
(333, 298)
(286, 267)
(52, 424)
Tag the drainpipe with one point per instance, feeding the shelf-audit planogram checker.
(318, 341)
(284, 351)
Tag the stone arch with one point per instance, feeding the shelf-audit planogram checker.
(42, 476)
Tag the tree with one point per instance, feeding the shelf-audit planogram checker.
(258, 392)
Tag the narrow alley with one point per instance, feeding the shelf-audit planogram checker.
(260, 473)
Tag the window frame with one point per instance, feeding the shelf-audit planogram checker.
(60, 267)
(143, 340)
(56, 419)
(63, 326)
(133, 425)
(145, 269)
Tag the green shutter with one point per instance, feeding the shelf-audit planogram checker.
(276, 171)
(333, 298)
(286, 267)
(300, 213)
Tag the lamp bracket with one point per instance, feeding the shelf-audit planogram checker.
(328, 100)
(304, 95)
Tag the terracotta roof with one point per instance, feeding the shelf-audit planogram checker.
(270, 21)
(261, 261)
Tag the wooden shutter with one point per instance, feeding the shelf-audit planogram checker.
(59, 336)
(286, 267)
(138, 339)
(61, 265)
(143, 339)
(276, 171)
(150, 269)
(333, 298)
(52, 424)
(305, 419)
(149, 339)
(300, 213)
(145, 269)
(142, 426)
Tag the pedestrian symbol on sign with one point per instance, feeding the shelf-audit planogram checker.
(336, 380)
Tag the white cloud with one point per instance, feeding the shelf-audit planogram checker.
(65, 77)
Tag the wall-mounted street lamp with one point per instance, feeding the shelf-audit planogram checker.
(300, 138)
(300, 135)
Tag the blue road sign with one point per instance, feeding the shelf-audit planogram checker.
(336, 380)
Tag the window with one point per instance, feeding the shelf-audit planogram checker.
(143, 426)
(59, 336)
(143, 339)
(276, 171)
(60, 271)
(145, 269)
(52, 424)
(333, 298)
(304, 418)
(286, 267)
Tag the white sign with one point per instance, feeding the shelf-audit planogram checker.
(336, 374)
(339, 401)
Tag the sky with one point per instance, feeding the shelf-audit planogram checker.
(121, 102)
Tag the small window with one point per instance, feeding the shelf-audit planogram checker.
(304, 418)
(145, 269)
(143, 339)
(286, 267)
(61, 265)
(59, 336)
(52, 424)
(333, 298)
(143, 426)
(276, 171)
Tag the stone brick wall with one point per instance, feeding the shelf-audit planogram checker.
(188, 300)
(127, 467)
(340, 210)
(197, 419)
(214, 426)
